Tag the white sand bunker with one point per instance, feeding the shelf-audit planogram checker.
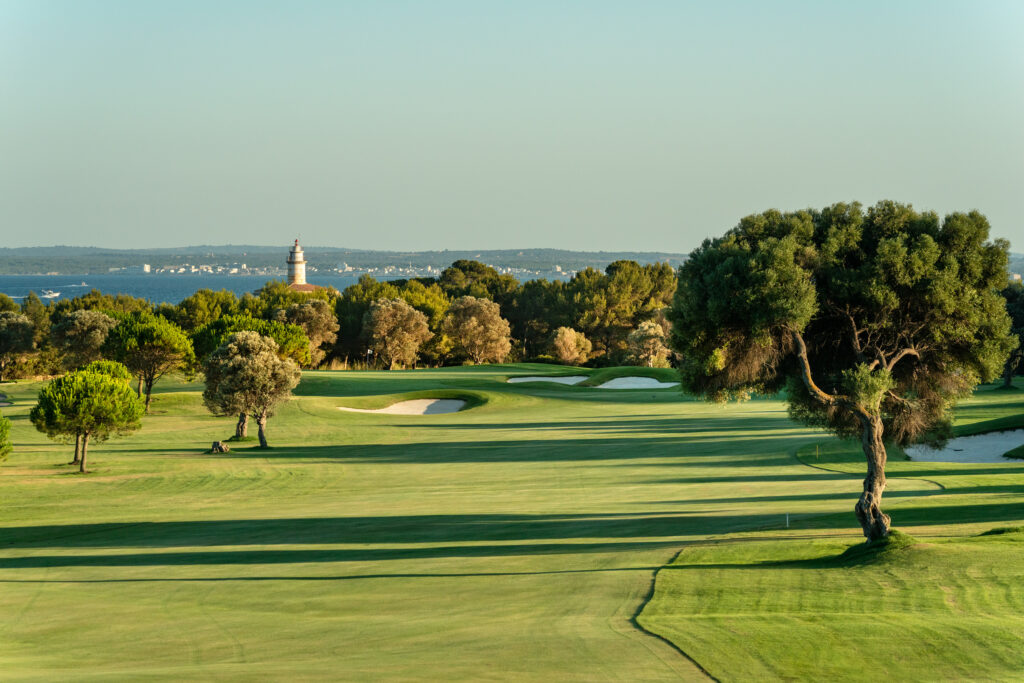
(636, 383)
(420, 406)
(570, 379)
(980, 448)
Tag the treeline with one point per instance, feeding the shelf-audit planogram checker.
(471, 313)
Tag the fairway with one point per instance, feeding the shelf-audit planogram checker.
(516, 538)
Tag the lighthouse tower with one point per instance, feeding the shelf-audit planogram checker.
(296, 266)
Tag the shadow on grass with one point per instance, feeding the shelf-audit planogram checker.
(398, 529)
(276, 556)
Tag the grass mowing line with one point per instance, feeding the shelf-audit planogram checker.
(634, 620)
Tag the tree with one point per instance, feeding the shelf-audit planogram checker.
(316, 318)
(395, 331)
(150, 347)
(352, 306)
(478, 330)
(1014, 296)
(36, 310)
(609, 305)
(247, 376)
(96, 300)
(80, 336)
(86, 405)
(472, 278)
(5, 438)
(292, 342)
(7, 304)
(570, 347)
(290, 339)
(16, 338)
(647, 344)
(875, 322)
(203, 307)
(539, 308)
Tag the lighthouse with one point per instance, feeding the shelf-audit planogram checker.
(296, 266)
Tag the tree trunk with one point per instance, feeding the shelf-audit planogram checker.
(1008, 369)
(138, 388)
(78, 450)
(149, 394)
(873, 521)
(85, 449)
(242, 428)
(261, 421)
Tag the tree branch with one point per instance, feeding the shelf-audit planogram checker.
(900, 355)
(817, 392)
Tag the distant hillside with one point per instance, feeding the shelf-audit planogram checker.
(73, 260)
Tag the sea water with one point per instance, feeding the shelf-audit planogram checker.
(157, 288)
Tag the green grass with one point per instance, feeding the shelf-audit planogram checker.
(944, 603)
(515, 539)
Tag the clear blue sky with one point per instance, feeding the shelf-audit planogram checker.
(430, 125)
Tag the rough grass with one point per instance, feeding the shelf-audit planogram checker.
(515, 539)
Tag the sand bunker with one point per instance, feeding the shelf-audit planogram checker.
(571, 379)
(420, 406)
(636, 383)
(980, 448)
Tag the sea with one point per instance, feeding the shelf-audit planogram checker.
(157, 288)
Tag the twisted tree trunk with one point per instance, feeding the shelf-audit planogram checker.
(261, 421)
(242, 428)
(873, 521)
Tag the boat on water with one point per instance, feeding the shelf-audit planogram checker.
(50, 294)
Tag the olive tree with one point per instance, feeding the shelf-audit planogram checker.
(647, 344)
(317, 319)
(875, 322)
(150, 347)
(477, 330)
(246, 376)
(86, 405)
(17, 336)
(570, 347)
(80, 335)
(395, 331)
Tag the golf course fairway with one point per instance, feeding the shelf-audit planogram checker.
(545, 532)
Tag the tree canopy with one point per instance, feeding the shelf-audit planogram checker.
(291, 341)
(570, 347)
(79, 336)
(150, 347)
(477, 329)
(317, 320)
(17, 336)
(245, 375)
(86, 405)
(874, 321)
(395, 331)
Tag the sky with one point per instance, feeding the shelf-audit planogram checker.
(490, 125)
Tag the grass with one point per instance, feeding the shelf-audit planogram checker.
(941, 600)
(515, 539)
